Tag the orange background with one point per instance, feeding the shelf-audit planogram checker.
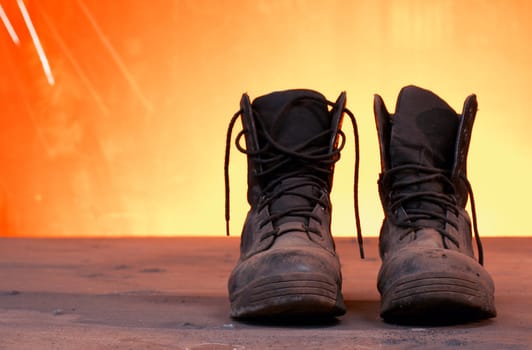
(129, 139)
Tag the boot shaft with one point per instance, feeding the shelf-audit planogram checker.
(289, 134)
(453, 160)
(423, 185)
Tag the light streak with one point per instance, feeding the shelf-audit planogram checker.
(36, 42)
(8, 26)
(116, 57)
(68, 53)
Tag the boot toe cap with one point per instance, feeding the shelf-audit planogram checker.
(434, 285)
(286, 281)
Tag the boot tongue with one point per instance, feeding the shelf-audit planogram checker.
(292, 118)
(423, 133)
(424, 130)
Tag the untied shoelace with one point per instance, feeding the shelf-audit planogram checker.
(445, 201)
(284, 154)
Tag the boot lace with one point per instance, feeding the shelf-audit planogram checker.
(430, 218)
(310, 161)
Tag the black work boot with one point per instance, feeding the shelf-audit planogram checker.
(429, 273)
(288, 265)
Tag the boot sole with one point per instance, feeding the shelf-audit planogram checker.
(440, 299)
(289, 295)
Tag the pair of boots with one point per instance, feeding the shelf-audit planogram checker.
(288, 265)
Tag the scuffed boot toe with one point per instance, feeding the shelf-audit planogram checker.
(435, 286)
(286, 283)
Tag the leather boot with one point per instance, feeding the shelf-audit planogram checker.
(429, 273)
(288, 265)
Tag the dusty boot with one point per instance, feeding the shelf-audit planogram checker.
(288, 265)
(429, 273)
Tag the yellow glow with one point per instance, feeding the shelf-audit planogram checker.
(130, 139)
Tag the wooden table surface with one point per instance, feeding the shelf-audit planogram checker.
(170, 293)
